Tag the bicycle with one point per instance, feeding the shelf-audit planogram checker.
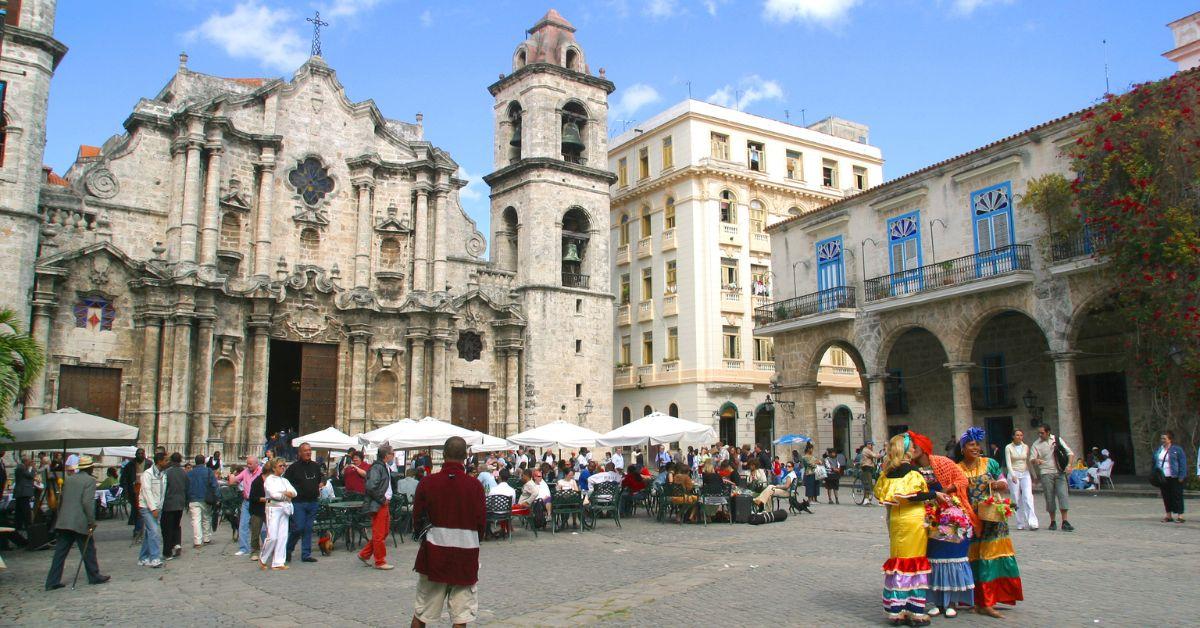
(859, 492)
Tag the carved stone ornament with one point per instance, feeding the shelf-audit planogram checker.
(393, 223)
(310, 216)
(101, 183)
(234, 198)
(476, 245)
(470, 346)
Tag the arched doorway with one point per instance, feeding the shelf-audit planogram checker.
(1009, 354)
(673, 410)
(843, 420)
(1104, 391)
(764, 425)
(917, 391)
(727, 423)
(625, 416)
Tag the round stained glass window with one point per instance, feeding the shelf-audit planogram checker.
(311, 180)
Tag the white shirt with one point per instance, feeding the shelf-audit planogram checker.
(522, 459)
(543, 490)
(1165, 457)
(618, 460)
(503, 488)
(1016, 457)
(600, 478)
(275, 486)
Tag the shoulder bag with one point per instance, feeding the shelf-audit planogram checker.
(1157, 477)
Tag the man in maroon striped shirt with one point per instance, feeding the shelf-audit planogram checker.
(453, 504)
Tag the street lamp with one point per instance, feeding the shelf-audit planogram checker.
(1030, 400)
(587, 409)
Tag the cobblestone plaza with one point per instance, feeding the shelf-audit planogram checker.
(1122, 567)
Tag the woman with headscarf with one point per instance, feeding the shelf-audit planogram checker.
(993, 561)
(903, 491)
(951, 582)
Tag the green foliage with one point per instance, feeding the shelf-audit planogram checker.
(1051, 196)
(1138, 183)
(21, 359)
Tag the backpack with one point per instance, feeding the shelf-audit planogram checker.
(1061, 458)
(538, 508)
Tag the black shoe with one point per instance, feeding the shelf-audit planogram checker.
(1067, 527)
(102, 580)
(308, 559)
(55, 586)
(1054, 525)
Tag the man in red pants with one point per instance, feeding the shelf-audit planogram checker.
(379, 495)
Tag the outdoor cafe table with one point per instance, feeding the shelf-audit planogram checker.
(347, 508)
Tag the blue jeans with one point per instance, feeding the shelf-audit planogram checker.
(152, 539)
(302, 528)
(244, 527)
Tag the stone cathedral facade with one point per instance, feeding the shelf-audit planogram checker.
(259, 254)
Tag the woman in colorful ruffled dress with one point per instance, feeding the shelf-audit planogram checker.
(951, 583)
(993, 561)
(906, 572)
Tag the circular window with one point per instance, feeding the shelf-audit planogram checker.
(311, 180)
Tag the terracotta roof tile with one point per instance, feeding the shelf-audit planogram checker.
(54, 179)
(253, 82)
(89, 151)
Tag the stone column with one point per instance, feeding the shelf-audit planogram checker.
(202, 382)
(148, 384)
(421, 242)
(439, 395)
(39, 329)
(876, 393)
(442, 215)
(417, 382)
(175, 211)
(256, 402)
(191, 203)
(807, 406)
(166, 365)
(362, 249)
(262, 220)
(960, 383)
(359, 342)
(181, 384)
(1070, 425)
(210, 236)
(512, 391)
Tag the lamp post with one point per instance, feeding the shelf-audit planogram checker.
(1030, 400)
(932, 249)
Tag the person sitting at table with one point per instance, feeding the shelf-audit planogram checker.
(585, 471)
(110, 481)
(634, 484)
(567, 481)
(408, 484)
(608, 475)
(756, 478)
(727, 472)
(682, 476)
(534, 490)
(484, 474)
(1103, 468)
(548, 472)
(664, 475)
(771, 492)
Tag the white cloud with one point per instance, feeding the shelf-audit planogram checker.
(661, 8)
(348, 8)
(631, 100)
(472, 191)
(967, 7)
(711, 6)
(748, 91)
(255, 31)
(426, 18)
(824, 12)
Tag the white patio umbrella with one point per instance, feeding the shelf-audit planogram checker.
(430, 432)
(328, 438)
(380, 435)
(128, 451)
(658, 428)
(491, 443)
(68, 427)
(556, 435)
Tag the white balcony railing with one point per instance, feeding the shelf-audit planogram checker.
(645, 373)
(731, 299)
(670, 304)
(732, 364)
(622, 374)
(645, 248)
(668, 239)
(670, 365)
(764, 365)
(729, 234)
(623, 314)
(760, 242)
(623, 254)
(646, 311)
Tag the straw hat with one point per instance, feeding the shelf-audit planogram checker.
(85, 462)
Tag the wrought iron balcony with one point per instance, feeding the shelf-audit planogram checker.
(574, 280)
(953, 272)
(1081, 243)
(824, 301)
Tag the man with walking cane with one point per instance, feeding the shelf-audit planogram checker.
(75, 523)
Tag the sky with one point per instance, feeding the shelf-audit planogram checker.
(931, 78)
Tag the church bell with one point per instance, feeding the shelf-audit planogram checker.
(572, 254)
(571, 142)
(516, 134)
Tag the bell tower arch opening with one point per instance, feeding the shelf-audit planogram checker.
(574, 125)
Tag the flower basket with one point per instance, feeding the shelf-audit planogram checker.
(994, 508)
(948, 523)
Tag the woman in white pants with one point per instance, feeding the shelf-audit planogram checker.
(1020, 484)
(279, 494)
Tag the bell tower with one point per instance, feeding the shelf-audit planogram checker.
(29, 55)
(550, 222)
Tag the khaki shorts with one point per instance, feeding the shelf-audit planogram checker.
(432, 596)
